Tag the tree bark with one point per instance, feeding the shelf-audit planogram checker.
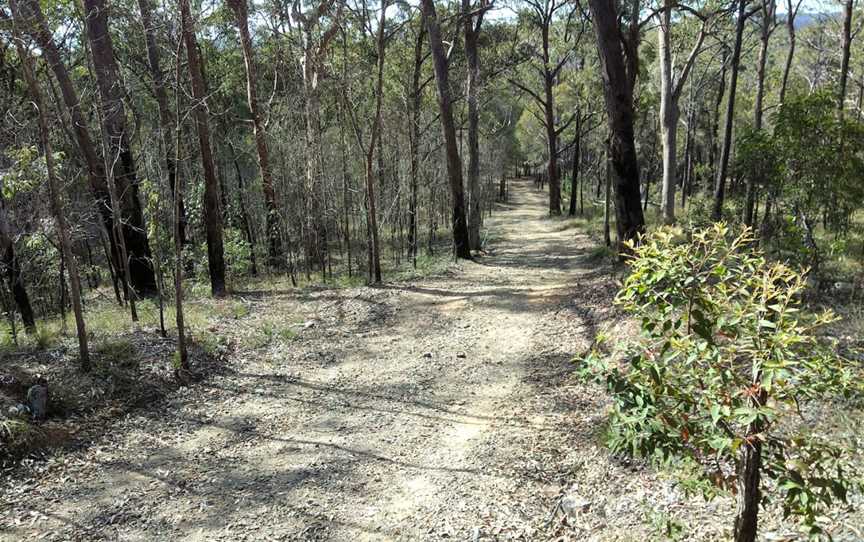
(241, 18)
(414, 139)
(748, 495)
(212, 212)
(618, 93)
(111, 92)
(57, 209)
(846, 48)
(461, 242)
(472, 57)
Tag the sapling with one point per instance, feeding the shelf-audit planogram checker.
(726, 359)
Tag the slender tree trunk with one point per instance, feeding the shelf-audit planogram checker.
(618, 93)
(212, 213)
(241, 18)
(791, 12)
(715, 121)
(57, 209)
(461, 242)
(669, 114)
(414, 140)
(182, 365)
(767, 27)
(722, 170)
(374, 249)
(607, 238)
(846, 49)
(245, 223)
(577, 157)
(165, 123)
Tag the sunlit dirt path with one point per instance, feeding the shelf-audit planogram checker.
(420, 410)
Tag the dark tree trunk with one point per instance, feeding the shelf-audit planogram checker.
(618, 91)
(461, 242)
(111, 93)
(33, 22)
(845, 53)
(414, 140)
(723, 167)
(16, 285)
(577, 157)
(212, 213)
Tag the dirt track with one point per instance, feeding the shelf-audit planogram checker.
(435, 409)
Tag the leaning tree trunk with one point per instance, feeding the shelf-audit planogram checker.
(212, 212)
(57, 209)
(241, 18)
(618, 94)
(111, 92)
(461, 242)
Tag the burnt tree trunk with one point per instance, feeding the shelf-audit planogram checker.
(120, 159)
(461, 242)
(212, 213)
(618, 92)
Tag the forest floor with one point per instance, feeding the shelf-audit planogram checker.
(439, 408)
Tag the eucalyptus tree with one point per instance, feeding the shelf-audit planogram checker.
(119, 156)
(618, 49)
(671, 87)
(240, 9)
(211, 204)
(56, 198)
(461, 241)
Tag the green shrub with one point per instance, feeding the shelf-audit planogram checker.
(716, 379)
